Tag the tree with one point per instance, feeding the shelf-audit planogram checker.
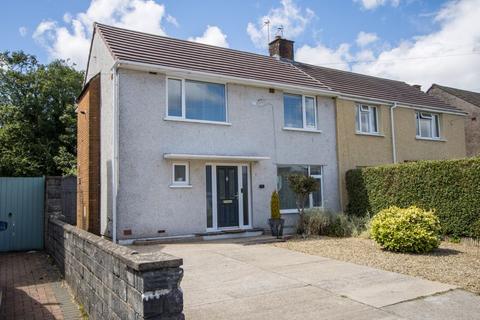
(38, 124)
(302, 186)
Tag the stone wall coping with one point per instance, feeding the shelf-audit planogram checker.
(133, 259)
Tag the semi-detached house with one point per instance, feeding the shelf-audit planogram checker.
(180, 139)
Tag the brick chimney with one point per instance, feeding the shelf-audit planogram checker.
(281, 48)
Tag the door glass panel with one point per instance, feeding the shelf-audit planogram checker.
(293, 111)
(174, 98)
(208, 175)
(317, 195)
(310, 112)
(245, 194)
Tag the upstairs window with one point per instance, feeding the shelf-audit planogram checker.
(299, 111)
(428, 125)
(366, 119)
(196, 100)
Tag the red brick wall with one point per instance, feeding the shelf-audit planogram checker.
(88, 158)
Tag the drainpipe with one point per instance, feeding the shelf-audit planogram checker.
(392, 123)
(115, 119)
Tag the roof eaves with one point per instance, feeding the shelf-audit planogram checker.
(145, 66)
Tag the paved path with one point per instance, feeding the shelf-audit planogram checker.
(225, 280)
(33, 289)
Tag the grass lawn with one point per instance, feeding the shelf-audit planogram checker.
(456, 264)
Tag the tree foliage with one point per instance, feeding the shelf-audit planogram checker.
(302, 186)
(37, 116)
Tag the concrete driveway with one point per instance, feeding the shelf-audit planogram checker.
(230, 280)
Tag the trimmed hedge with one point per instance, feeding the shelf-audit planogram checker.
(449, 187)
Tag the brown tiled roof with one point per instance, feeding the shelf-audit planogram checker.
(134, 46)
(469, 96)
(141, 47)
(350, 83)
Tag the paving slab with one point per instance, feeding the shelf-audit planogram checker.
(294, 303)
(455, 304)
(371, 286)
(230, 280)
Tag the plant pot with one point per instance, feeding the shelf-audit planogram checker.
(276, 226)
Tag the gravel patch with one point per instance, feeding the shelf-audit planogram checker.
(456, 264)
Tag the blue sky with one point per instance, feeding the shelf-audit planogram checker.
(412, 40)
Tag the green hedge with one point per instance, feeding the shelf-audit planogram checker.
(450, 187)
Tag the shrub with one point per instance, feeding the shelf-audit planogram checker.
(406, 230)
(275, 205)
(449, 187)
(326, 223)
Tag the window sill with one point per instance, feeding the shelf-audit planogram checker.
(369, 134)
(197, 121)
(302, 130)
(431, 139)
(295, 211)
(180, 186)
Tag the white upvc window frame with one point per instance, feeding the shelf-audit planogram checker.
(181, 184)
(372, 120)
(310, 197)
(434, 127)
(304, 113)
(183, 99)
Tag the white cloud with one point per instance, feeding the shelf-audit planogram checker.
(172, 20)
(450, 55)
(321, 55)
(213, 35)
(292, 18)
(72, 39)
(23, 31)
(366, 38)
(372, 4)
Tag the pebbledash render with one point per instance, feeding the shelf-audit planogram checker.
(195, 138)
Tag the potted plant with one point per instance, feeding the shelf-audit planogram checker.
(275, 222)
(302, 186)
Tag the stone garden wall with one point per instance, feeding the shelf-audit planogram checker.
(116, 282)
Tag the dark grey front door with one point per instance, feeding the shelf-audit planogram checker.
(227, 196)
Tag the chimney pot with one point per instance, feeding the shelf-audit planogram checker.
(281, 48)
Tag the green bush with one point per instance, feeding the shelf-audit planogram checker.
(449, 187)
(406, 230)
(326, 223)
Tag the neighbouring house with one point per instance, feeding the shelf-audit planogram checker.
(194, 138)
(469, 102)
(367, 108)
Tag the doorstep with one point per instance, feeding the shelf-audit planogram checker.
(229, 234)
(204, 236)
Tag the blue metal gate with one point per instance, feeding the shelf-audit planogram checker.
(21, 213)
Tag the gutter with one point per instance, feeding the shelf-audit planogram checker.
(115, 120)
(392, 125)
